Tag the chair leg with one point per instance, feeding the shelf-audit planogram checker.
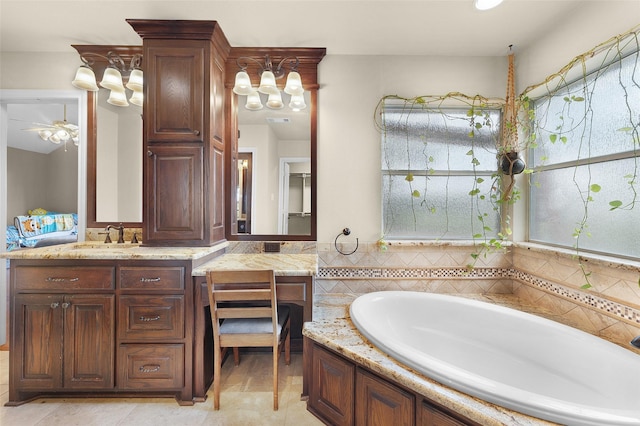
(287, 347)
(217, 361)
(236, 356)
(275, 378)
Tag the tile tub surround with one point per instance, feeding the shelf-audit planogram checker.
(333, 328)
(534, 273)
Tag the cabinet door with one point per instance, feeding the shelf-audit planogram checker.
(175, 80)
(36, 347)
(379, 403)
(174, 194)
(331, 391)
(89, 345)
(428, 415)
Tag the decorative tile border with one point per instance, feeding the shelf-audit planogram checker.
(598, 303)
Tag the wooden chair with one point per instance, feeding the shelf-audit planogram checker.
(244, 313)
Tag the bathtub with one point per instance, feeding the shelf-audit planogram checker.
(506, 357)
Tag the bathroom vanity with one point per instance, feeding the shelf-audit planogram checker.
(125, 320)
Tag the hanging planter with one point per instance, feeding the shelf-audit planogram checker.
(512, 164)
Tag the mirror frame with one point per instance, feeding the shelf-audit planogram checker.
(98, 66)
(308, 68)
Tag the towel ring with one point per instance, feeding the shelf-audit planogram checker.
(345, 231)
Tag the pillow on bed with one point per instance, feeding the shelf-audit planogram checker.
(38, 211)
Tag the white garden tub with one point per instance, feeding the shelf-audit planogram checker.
(504, 356)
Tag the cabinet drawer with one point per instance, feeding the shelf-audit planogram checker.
(52, 278)
(151, 317)
(151, 367)
(291, 291)
(152, 278)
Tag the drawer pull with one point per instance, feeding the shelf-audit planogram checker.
(147, 319)
(153, 368)
(57, 280)
(150, 280)
(65, 305)
(55, 305)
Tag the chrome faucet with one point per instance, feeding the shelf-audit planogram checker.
(120, 229)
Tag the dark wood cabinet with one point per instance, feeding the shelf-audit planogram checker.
(378, 402)
(107, 327)
(331, 396)
(183, 185)
(174, 196)
(342, 392)
(61, 341)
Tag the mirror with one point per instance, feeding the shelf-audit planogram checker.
(268, 179)
(274, 199)
(114, 150)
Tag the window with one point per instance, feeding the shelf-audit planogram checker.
(583, 193)
(438, 171)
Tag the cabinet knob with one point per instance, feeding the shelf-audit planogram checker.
(65, 305)
(196, 132)
(149, 153)
(55, 305)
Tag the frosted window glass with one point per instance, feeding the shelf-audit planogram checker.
(593, 120)
(595, 126)
(557, 208)
(435, 147)
(426, 139)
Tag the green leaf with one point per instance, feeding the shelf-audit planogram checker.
(474, 192)
(615, 204)
(478, 126)
(586, 286)
(477, 236)
(563, 139)
(553, 138)
(595, 188)
(479, 180)
(470, 152)
(577, 98)
(471, 134)
(415, 193)
(409, 177)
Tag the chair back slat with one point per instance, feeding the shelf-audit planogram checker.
(248, 312)
(242, 295)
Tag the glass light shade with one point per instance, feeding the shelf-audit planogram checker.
(112, 79)
(118, 97)
(76, 140)
(85, 79)
(268, 84)
(275, 101)
(297, 103)
(137, 98)
(63, 135)
(294, 84)
(253, 101)
(486, 4)
(135, 81)
(243, 84)
(45, 134)
(54, 138)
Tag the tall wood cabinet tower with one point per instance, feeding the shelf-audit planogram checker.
(183, 136)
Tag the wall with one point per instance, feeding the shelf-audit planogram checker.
(37, 180)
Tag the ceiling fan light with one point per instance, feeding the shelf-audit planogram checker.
(63, 135)
(297, 103)
(268, 84)
(275, 101)
(253, 101)
(118, 98)
(243, 84)
(135, 80)
(85, 79)
(112, 79)
(486, 4)
(136, 98)
(45, 134)
(54, 138)
(294, 84)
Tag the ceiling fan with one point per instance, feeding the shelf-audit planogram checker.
(58, 131)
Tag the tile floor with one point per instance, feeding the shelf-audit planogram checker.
(246, 400)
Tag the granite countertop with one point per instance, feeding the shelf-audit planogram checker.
(332, 327)
(113, 251)
(282, 264)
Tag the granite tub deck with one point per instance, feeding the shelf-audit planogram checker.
(332, 328)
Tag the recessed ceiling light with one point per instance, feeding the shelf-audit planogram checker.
(278, 119)
(486, 4)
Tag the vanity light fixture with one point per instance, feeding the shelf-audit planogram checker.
(269, 74)
(486, 4)
(112, 78)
